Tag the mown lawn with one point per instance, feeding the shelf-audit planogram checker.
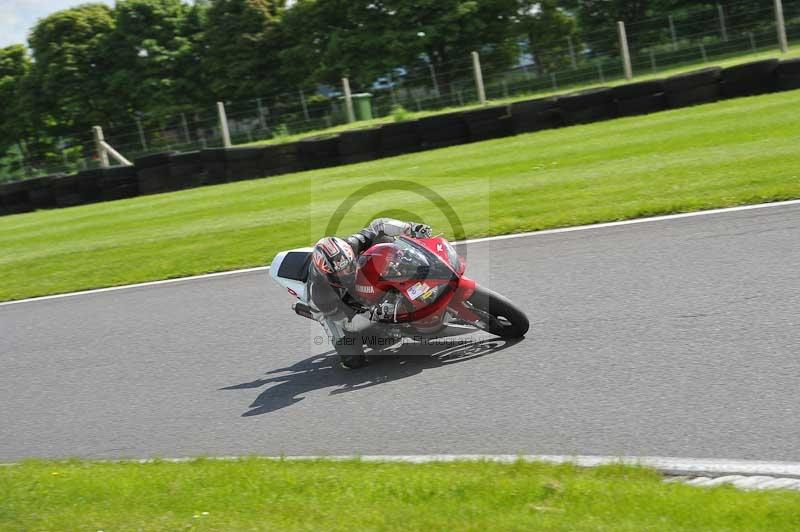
(728, 153)
(257, 494)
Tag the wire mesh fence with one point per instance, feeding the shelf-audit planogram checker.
(694, 37)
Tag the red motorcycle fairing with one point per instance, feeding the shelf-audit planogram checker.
(427, 273)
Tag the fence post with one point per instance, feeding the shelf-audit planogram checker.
(653, 60)
(348, 101)
(476, 66)
(781, 25)
(303, 103)
(97, 132)
(626, 55)
(433, 78)
(141, 134)
(672, 34)
(600, 72)
(261, 121)
(572, 52)
(723, 30)
(554, 81)
(223, 125)
(185, 129)
(703, 52)
(752, 40)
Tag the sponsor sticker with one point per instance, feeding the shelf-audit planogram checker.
(417, 290)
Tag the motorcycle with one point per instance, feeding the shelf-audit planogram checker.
(411, 288)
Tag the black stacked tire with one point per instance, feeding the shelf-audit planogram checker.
(535, 115)
(214, 165)
(280, 159)
(244, 163)
(749, 79)
(152, 173)
(118, 183)
(359, 145)
(588, 106)
(787, 75)
(503, 317)
(440, 131)
(40, 191)
(399, 138)
(488, 123)
(187, 170)
(89, 185)
(65, 191)
(14, 197)
(693, 88)
(319, 152)
(640, 98)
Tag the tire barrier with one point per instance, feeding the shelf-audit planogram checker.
(214, 165)
(749, 79)
(588, 106)
(243, 163)
(118, 183)
(152, 173)
(40, 191)
(187, 170)
(359, 145)
(280, 159)
(787, 75)
(163, 172)
(318, 152)
(640, 98)
(488, 123)
(693, 88)
(535, 115)
(440, 131)
(399, 138)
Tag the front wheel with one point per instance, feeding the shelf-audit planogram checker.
(499, 315)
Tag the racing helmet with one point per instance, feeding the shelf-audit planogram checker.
(336, 260)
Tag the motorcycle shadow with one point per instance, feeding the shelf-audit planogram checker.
(292, 383)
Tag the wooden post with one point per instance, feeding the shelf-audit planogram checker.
(781, 26)
(476, 66)
(99, 140)
(223, 125)
(626, 55)
(348, 101)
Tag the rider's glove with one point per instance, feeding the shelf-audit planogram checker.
(420, 230)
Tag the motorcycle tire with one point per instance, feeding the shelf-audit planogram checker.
(505, 319)
(351, 351)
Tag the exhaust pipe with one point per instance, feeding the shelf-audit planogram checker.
(301, 309)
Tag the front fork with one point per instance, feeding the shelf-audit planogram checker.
(459, 305)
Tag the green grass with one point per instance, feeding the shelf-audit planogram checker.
(724, 61)
(728, 153)
(256, 494)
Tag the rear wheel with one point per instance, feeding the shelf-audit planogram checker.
(351, 351)
(499, 315)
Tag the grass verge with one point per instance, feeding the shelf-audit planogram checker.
(257, 494)
(728, 153)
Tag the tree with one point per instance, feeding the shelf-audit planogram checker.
(148, 46)
(15, 126)
(241, 47)
(72, 67)
(548, 27)
(447, 31)
(363, 39)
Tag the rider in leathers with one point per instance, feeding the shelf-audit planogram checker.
(332, 272)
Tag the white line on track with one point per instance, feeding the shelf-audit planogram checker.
(473, 241)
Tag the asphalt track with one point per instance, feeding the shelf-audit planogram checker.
(672, 338)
